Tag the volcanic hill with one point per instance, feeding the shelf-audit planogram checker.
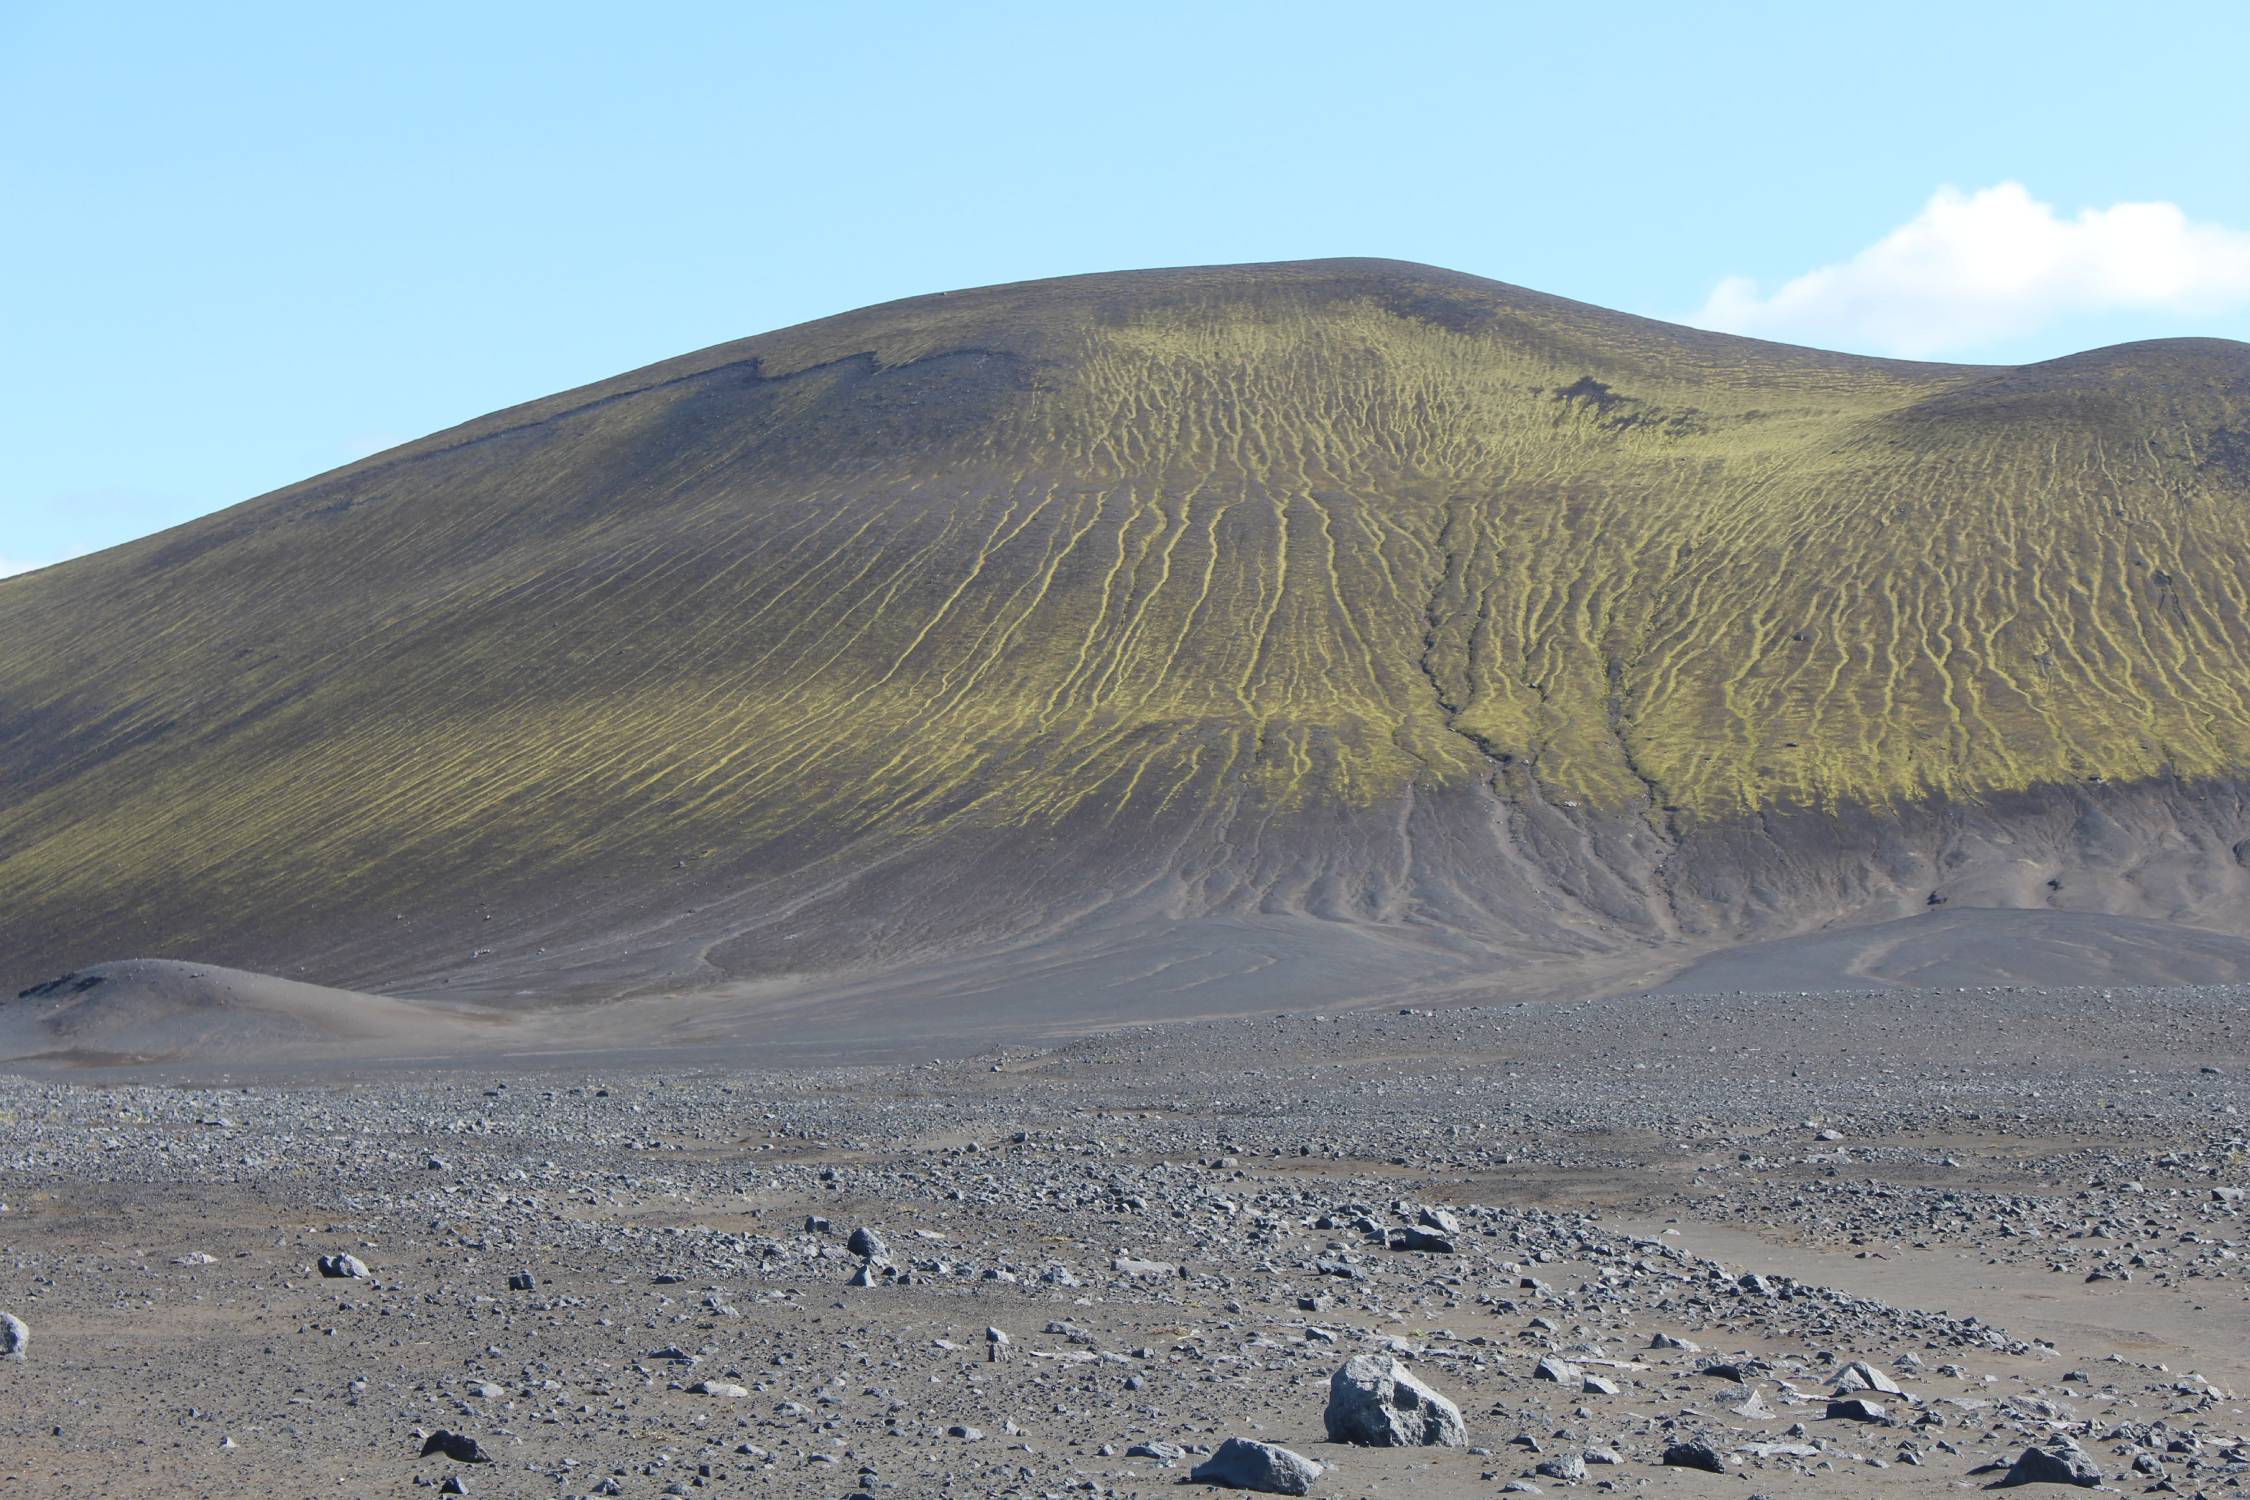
(1162, 640)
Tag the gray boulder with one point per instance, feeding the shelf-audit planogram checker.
(1243, 1465)
(1859, 1375)
(1751, 1403)
(1422, 1241)
(1857, 1409)
(15, 1338)
(344, 1266)
(1376, 1402)
(1568, 1467)
(2062, 1462)
(1561, 1371)
(721, 1388)
(1696, 1453)
(458, 1446)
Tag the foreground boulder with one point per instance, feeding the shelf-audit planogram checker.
(1376, 1402)
(2062, 1462)
(721, 1388)
(458, 1446)
(1859, 1375)
(1570, 1468)
(15, 1338)
(1857, 1409)
(1696, 1453)
(344, 1266)
(1561, 1371)
(1423, 1241)
(1243, 1465)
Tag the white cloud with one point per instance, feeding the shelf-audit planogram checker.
(1972, 269)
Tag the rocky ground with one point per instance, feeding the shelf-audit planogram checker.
(1824, 1245)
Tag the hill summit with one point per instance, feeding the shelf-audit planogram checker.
(1303, 629)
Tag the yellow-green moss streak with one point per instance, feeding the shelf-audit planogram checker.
(1309, 533)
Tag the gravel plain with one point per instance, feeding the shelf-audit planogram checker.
(1889, 1242)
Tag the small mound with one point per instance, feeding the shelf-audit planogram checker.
(160, 1010)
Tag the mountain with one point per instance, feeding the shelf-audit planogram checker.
(1123, 642)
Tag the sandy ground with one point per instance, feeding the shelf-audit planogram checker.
(197, 1016)
(2017, 1204)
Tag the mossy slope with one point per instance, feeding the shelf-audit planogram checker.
(1098, 553)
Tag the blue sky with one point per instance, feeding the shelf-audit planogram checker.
(246, 244)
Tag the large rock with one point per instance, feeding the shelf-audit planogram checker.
(1570, 1468)
(344, 1266)
(1859, 1375)
(15, 1338)
(1376, 1402)
(721, 1388)
(1857, 1409)
(1424, 1241)
(458, 1446)
(1561, 1371)
(2062, 1462)
(1751, 1403)
(1243, 1465)
(1696, 1453)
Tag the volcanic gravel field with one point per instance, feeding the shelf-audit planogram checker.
(1890, 1242)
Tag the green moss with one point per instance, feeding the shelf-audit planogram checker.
(1113, 545)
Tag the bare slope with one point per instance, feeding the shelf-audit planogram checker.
(1951, 948)
(1470, 626)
